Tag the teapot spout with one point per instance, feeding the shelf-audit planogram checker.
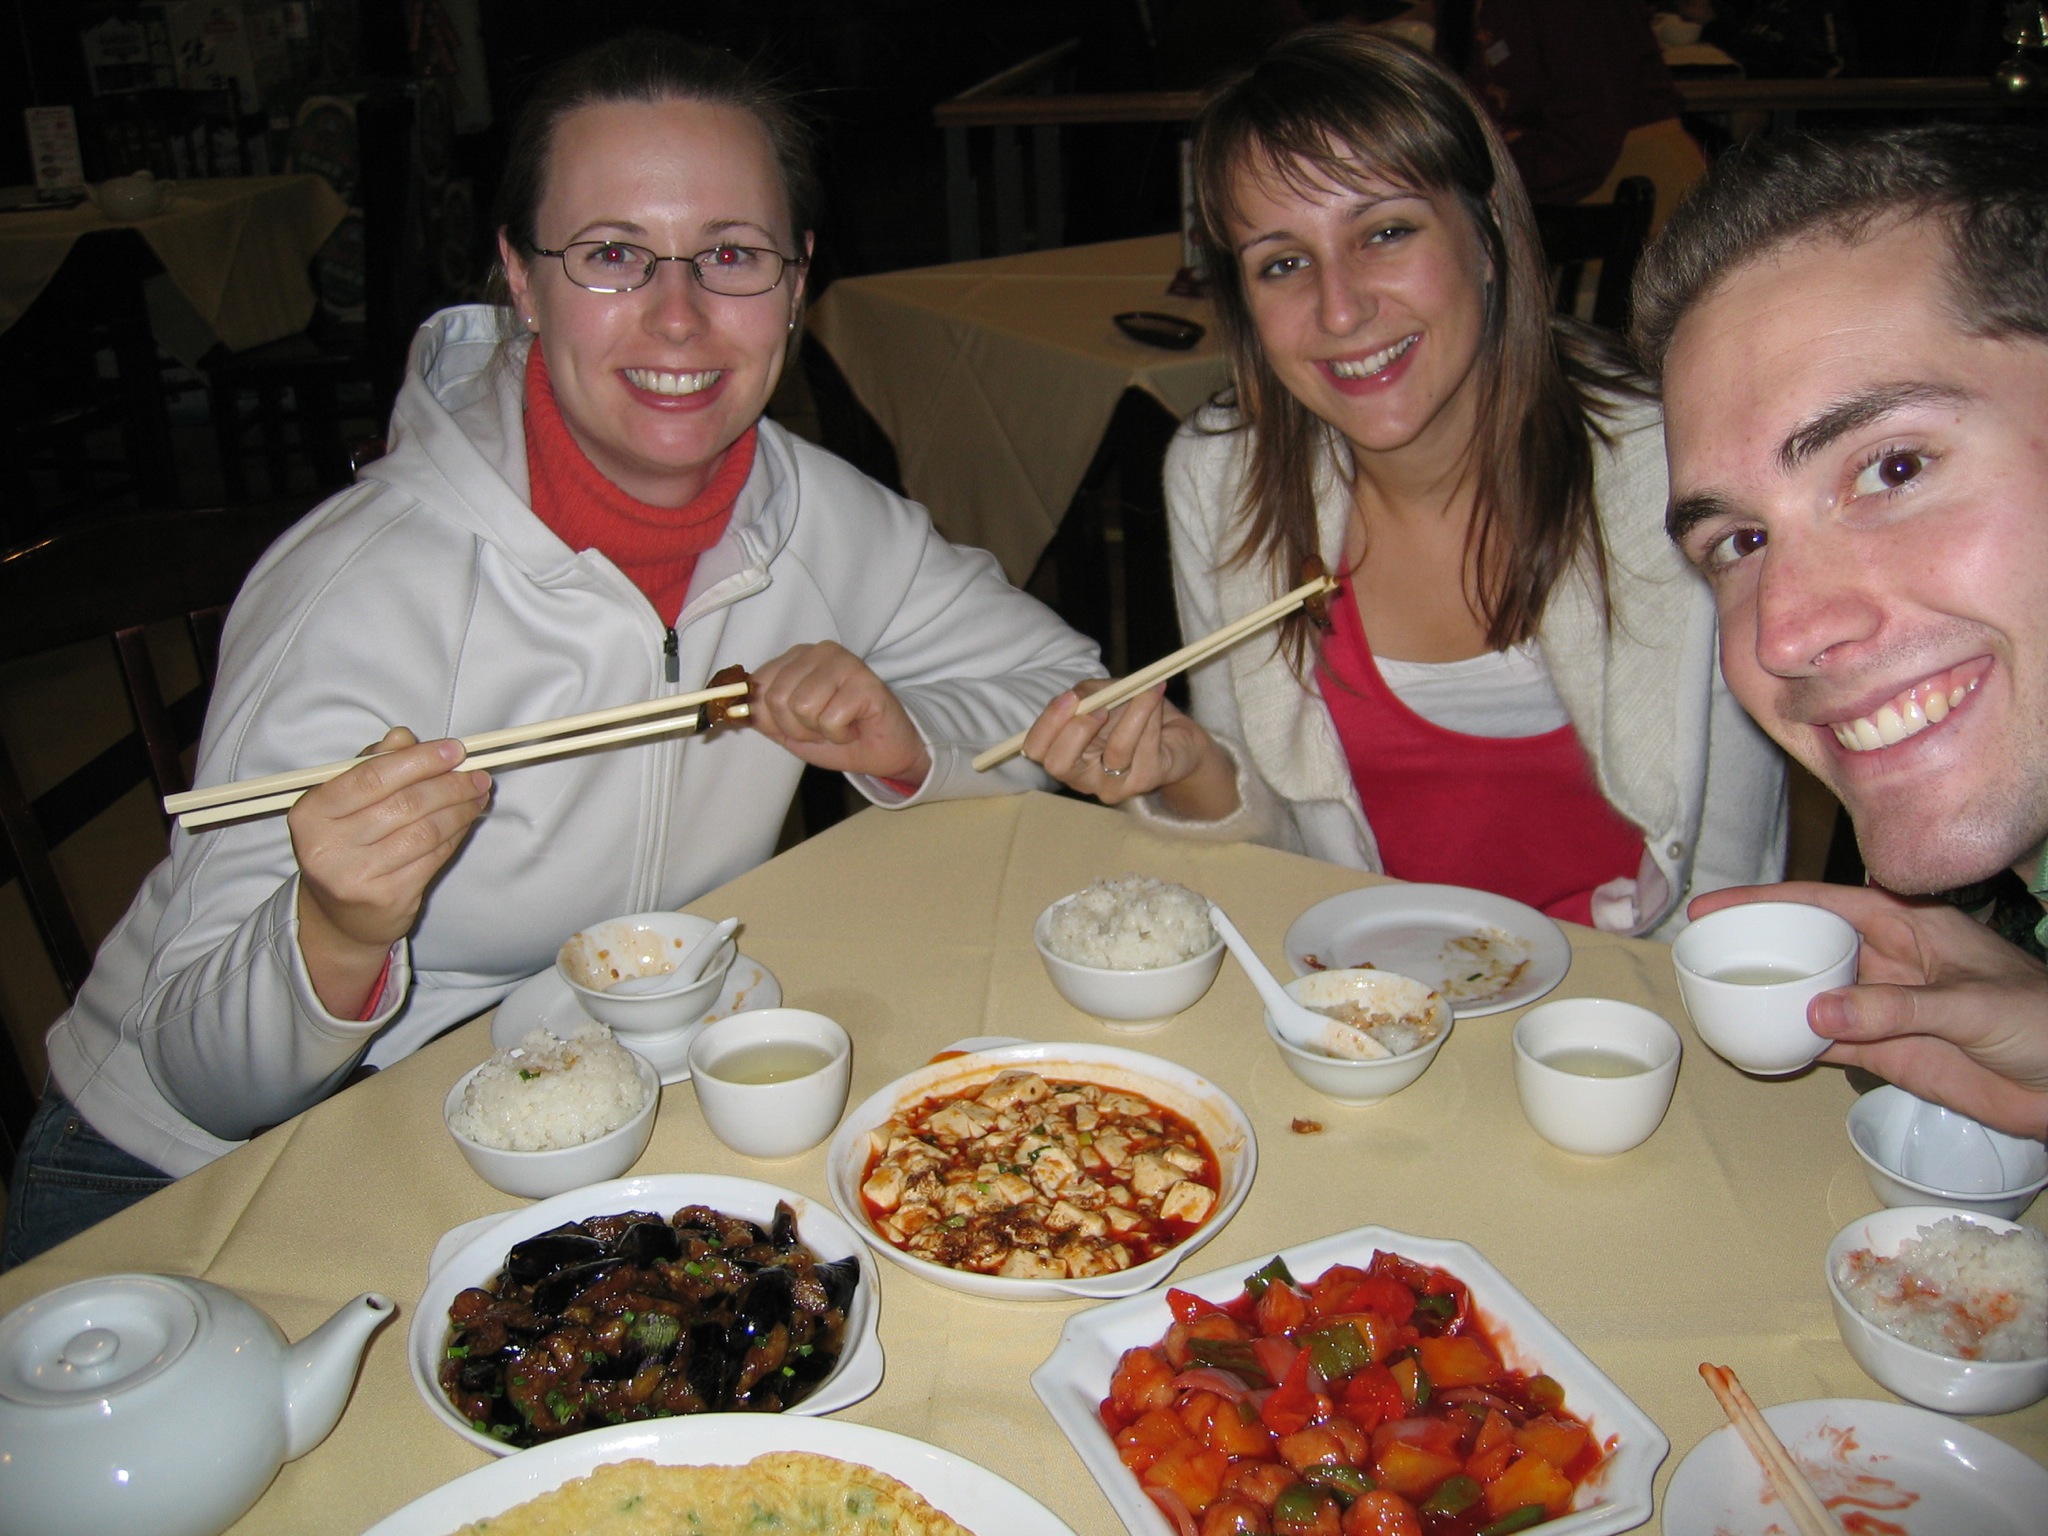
(321, 1368)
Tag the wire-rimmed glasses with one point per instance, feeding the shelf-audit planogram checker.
(617, 266)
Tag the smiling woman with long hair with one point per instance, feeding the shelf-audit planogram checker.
(1519, 689)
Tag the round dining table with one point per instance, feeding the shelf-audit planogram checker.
(912, 928)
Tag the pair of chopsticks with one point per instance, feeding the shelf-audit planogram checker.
(1794, 1491)
(1169, 666)
(489, 749)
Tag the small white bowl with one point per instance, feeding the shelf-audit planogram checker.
(537, 1175)
(479, 1258)
(1595, 1116)
(1128, 1000)
(779, 1117)
(636, 946)
(1881, 1121)
(1759, 1024)
(1940, 1382)
(1358, 1082)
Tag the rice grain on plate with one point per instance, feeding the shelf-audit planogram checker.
(546, 1093)
(1131, 924)
(1957, 1289)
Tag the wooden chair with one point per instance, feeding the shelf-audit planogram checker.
(1612, 234)
(111, 577)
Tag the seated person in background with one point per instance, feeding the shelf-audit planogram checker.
(582, 507)
(1519, 692)
(1853, 339)
(1580, 92)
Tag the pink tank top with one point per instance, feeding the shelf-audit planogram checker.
(1519, 815)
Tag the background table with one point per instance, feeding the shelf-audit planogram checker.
(235, 249)
(995, 379)
(913, 929)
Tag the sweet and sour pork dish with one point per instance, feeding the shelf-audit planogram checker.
(1366, 1402)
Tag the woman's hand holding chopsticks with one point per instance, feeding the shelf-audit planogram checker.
(825, 705)
(1139, 747)
(368, 845)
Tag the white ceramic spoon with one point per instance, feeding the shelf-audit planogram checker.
(1945, 1150)
(689, 970)
(1297, 1024)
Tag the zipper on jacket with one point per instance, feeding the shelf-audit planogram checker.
(671, 658)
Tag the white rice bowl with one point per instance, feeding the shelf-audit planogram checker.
(547, 1093)
(1134, 923)
(1957, 1289)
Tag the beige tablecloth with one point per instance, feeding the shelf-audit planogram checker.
(234, 247)
(913, 929)
(995, 379)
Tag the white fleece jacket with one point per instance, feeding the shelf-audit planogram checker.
(1673, 751)
(429, 595)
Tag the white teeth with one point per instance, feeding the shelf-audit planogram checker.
(1896, 721)
(659, 383)
(1366, 367)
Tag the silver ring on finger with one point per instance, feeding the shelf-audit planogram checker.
(1114, 773)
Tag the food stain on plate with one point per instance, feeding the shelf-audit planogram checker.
(1857, 1496)
(1476, 966)
(739, 997)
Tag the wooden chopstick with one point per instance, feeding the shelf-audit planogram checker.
(269, 786)
(531, 752)
(1801, 1502)
(1167, 666)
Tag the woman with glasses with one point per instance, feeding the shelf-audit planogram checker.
(583, 506)
(1519, 689)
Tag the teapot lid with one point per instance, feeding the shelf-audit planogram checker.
(97, 1338)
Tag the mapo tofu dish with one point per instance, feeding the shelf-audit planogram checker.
(1030, 1179)
(631, 1316)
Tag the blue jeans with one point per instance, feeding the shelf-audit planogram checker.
(67, 1178)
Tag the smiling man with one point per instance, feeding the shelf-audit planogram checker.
(1853, 344)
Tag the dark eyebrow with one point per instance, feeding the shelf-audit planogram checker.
(1860, 410)
(1688, 512)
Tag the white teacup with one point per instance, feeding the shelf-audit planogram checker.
(1594, 1075)
(772, 1083)
(1747, 973)
(133, 197)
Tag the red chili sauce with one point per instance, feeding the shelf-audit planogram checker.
(1366, 1402)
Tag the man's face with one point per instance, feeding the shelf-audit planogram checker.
(1866, 488)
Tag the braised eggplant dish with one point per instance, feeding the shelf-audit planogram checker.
(631, 1316)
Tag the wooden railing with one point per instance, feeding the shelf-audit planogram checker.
(1021, 98)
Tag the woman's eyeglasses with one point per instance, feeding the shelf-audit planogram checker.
(613, 266)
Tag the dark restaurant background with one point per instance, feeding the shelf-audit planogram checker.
(403, 105)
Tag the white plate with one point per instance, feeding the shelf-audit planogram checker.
(1923, 1472)
(480, 1258)
(1214, 1113)
(971, 1494)
(546, 1001)
(1404, 928)
(1075, 1377)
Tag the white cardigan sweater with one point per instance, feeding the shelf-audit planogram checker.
(429, 595)
(1672, 750)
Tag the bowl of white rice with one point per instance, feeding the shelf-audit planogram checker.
(1132, 951)
(552, 1114)
(1947, 1308)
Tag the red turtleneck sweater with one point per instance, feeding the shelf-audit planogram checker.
(657, 547)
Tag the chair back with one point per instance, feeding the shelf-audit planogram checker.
(1612, 234)
(111, 578)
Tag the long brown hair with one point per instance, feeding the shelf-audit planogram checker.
(1337, 105)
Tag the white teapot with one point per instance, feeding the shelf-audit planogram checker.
(154, 1405)
(133, 197)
